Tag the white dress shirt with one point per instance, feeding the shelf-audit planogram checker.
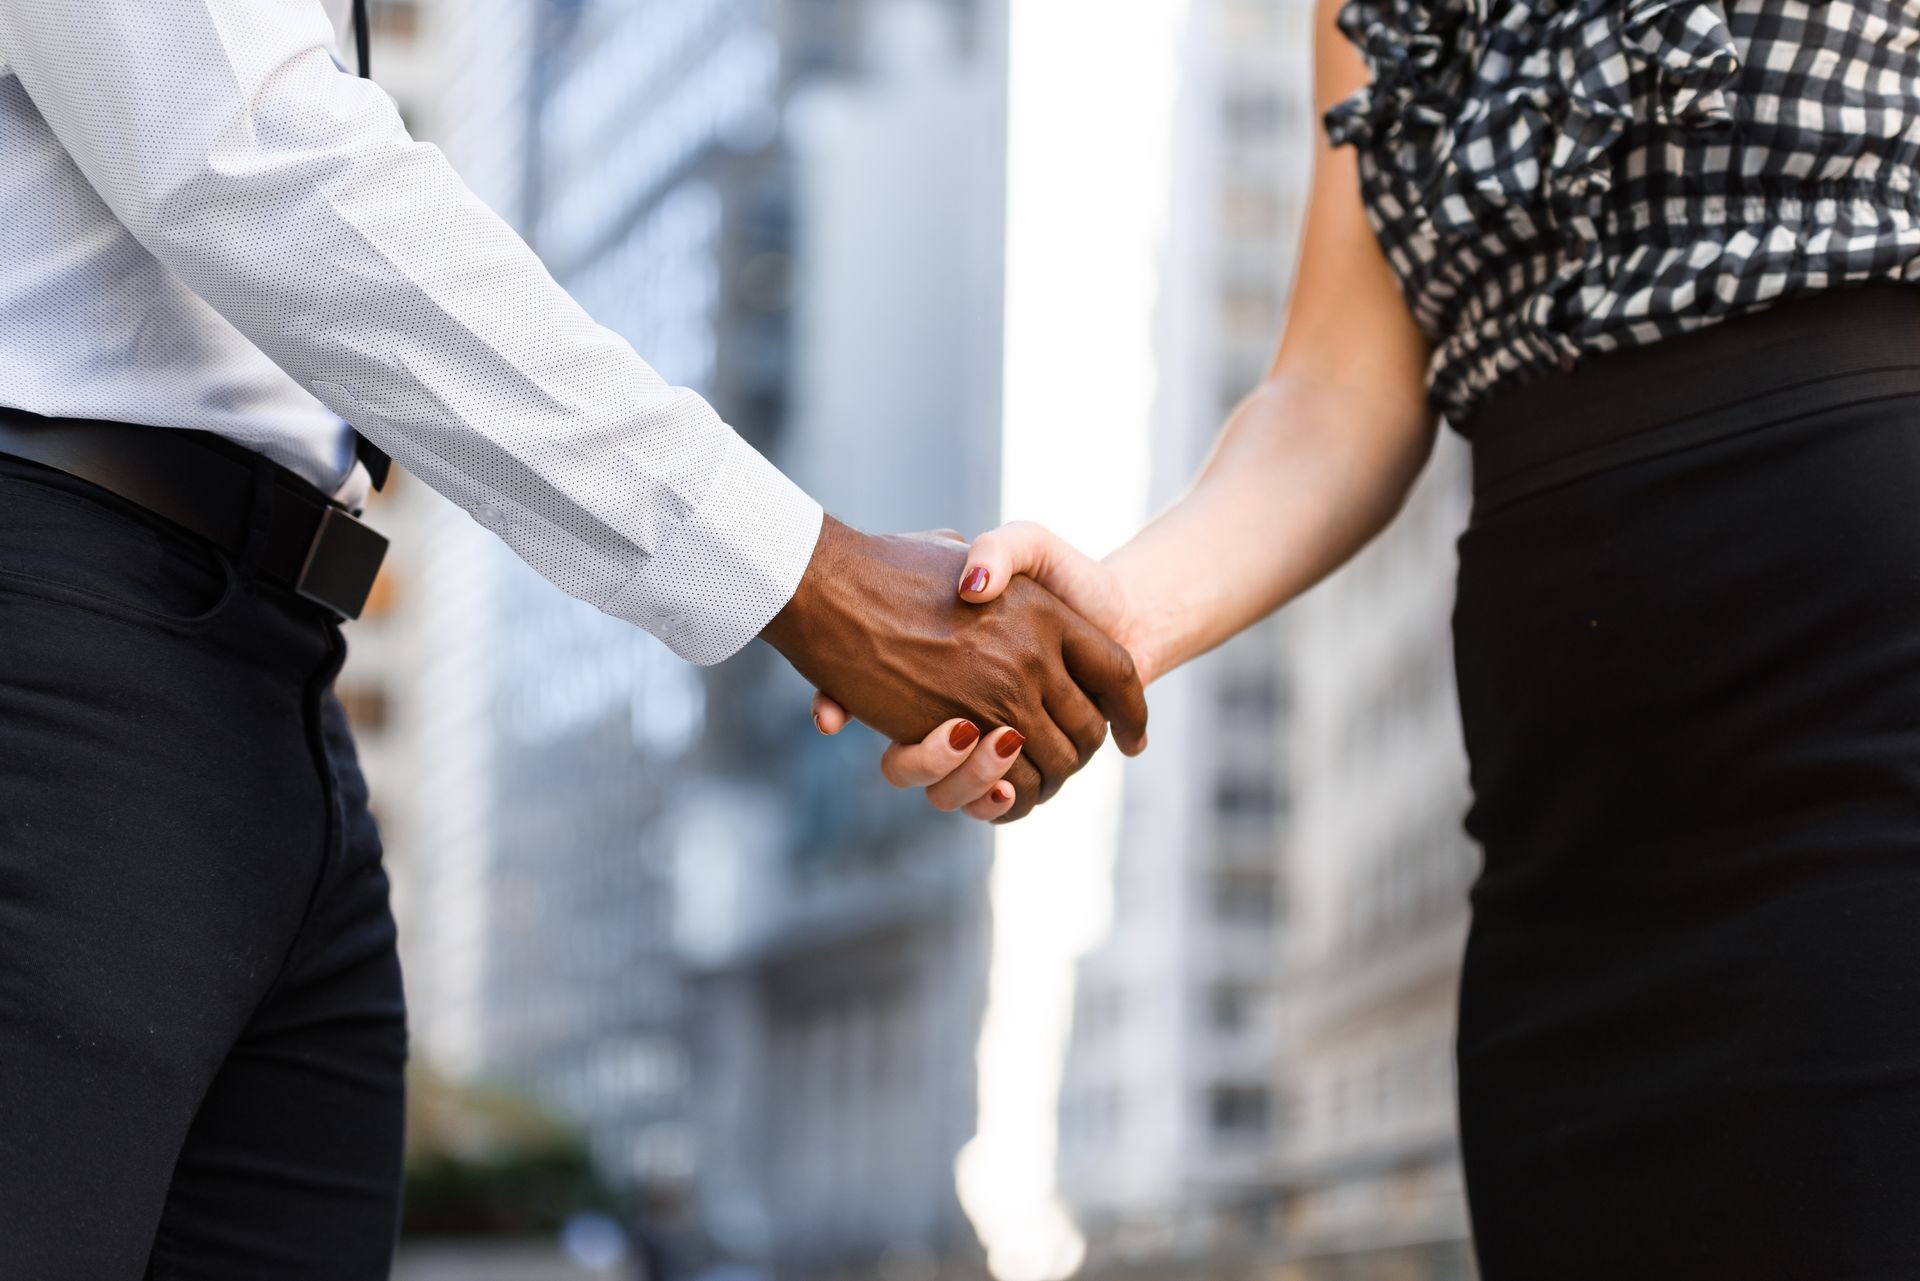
(206, 222)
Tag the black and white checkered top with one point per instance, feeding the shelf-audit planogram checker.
(1553, 178)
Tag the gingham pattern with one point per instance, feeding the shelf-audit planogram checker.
(1552, 179)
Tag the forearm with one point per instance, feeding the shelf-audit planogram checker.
(1305, 475)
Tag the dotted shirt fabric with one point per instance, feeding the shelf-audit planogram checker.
(206, 222)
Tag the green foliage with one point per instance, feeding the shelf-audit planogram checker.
(485, 1161)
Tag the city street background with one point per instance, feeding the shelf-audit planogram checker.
(693, 992)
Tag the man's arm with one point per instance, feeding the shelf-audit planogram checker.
(289, 196)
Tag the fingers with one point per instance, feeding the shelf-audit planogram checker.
(1053, 754)
(828, 716)
(1079, 720)
(999, 556)
(933, 758)
(1104, 671)
(1022, 547)
(1066, 738)
(994, 804)
(982, 770)
(959, 771)
(1026, 782)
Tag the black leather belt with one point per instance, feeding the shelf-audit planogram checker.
(241, 502)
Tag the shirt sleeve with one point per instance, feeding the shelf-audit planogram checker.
(288, 194)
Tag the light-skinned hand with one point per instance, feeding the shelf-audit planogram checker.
(960, 769)
(875, 626)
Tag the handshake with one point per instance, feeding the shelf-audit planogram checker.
(995, 670)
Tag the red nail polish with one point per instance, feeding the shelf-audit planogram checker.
(1010, 742)
(1002, 793)
(976, 580)
(964, 735)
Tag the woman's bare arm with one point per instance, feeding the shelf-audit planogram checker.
(1313, 464)
(1320, 456)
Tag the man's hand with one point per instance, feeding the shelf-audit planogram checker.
(876, 626)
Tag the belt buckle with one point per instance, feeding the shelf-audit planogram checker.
(342, 562)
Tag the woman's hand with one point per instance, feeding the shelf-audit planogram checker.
(1310, 466)
(959, 769)
(1089, 587)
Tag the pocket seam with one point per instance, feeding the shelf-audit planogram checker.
(37, 587)
(129, 519)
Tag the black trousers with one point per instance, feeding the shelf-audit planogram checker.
(201, 1027)
(1688, 642)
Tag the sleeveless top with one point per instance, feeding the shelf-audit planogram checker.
(1555, 178)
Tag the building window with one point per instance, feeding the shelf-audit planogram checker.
(1251, 693)
(1247, 797)
(1100, 1013)
(1240, 1111)
(1244, 895)
(1251, 212)
(1231, 1005)
(1254, 114)
(397, 18)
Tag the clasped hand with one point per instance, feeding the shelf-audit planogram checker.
(931, 644)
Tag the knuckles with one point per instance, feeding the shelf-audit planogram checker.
(1096, 740)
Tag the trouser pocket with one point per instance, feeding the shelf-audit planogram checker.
(65, 540)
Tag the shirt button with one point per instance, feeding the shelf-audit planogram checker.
(491, 516)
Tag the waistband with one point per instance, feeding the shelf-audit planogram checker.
(1799, 356)
(249, 507)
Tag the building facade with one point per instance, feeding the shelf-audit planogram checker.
(646, 894)
(650, 896)
(1261, 1079)
(1170, 1112)
(1379, 868)
(835, 933)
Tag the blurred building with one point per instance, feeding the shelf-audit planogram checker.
(1170, 1116)
(836, 934)
(419, 683)
(581, 826)
(529, 748)
(1379, 870)
(652, 896)
(1260, 1081)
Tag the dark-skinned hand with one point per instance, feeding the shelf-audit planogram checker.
(877, 626)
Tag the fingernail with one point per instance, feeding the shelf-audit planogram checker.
(976, 582)
(1002, 793)
(1010, 742)
(816, 723)
(964, 735)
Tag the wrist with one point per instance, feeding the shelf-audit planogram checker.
(1145, 632)
(807, 615)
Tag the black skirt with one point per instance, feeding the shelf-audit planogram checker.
(1688, 650)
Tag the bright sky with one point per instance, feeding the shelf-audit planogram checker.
(1093, 88)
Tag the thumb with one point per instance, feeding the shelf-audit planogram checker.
(828, 716)
(1084, 584)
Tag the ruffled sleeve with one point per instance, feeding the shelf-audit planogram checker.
(1480, 114)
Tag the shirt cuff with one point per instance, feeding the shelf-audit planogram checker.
(730, 566)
